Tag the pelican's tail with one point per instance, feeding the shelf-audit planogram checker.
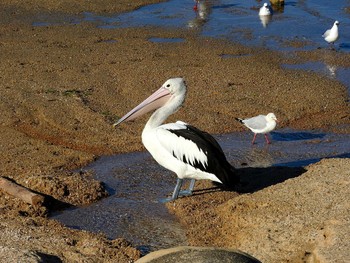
(229, 177)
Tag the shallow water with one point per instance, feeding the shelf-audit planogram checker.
(297, 21)
(332, 71)
(137, 184)
(239, 21)
(134, 211)
(166, 40)
(301, 21)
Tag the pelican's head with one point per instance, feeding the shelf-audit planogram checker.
(173, 90)
(271, 117)
(176, 86)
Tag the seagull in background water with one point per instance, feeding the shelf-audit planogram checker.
(260, 124)
(332, 35)
(187, 151)
(265, 14)
(265, 10)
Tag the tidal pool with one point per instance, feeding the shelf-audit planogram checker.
(137, 184)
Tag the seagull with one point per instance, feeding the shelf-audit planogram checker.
(179, 147)
(332, 35)
(265, 10)
(260, 124)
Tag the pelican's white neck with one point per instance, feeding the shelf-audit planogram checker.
(161, 114)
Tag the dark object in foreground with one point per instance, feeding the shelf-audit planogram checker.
(198, 255)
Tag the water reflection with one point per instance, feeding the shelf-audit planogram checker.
(265, 20)
(332, 70)
(278, 6)
(202, 9)
(335, 72)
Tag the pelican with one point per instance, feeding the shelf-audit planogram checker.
(179, 147)
(260, 124)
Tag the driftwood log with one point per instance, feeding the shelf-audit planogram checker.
(21, 192)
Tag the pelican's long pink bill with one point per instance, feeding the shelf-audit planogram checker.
(156, 100)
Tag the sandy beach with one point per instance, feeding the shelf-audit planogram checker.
(63, 86)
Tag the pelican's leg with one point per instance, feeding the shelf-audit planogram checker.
(189, 190)
(175, 193)
(177, 189)
(191, 187)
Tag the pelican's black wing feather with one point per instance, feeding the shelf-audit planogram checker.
(217, 163)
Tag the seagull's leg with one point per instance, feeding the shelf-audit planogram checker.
(331, 46)
(189, 190)
(175, 193)
(253, 141)
(334, 48)
(195, 8)
(267, 139)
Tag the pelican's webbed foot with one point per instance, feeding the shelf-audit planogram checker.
(178, 192)
(189, 190)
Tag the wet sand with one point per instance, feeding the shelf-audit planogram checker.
(63, 86)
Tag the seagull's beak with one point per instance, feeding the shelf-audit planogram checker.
(155, 101)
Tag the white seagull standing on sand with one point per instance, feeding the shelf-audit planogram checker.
(265, 10)
(179, 147)
(332, 35)
(260, 124)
